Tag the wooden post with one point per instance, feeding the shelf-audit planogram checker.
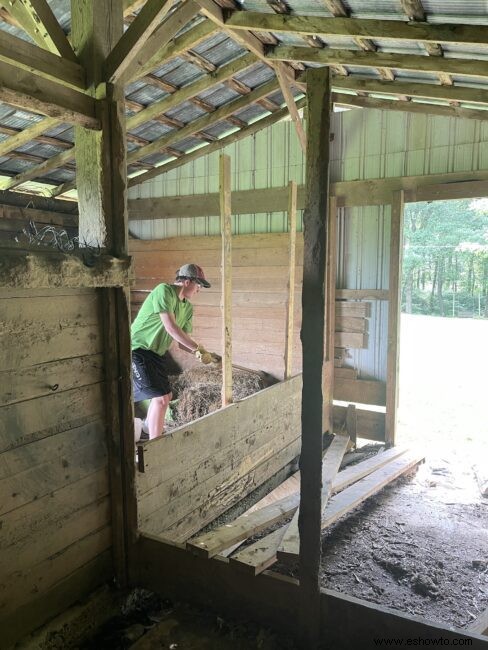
(226, 231)
(394, 307)
(102, 190)
(330, 282)
(313, 337)
(290, 304)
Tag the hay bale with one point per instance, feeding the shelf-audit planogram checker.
(199, 390)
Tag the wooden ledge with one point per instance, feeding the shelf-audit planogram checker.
(51, 269)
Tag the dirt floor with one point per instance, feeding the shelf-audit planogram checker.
(421, 545)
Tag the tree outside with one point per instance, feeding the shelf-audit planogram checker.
(445, 259)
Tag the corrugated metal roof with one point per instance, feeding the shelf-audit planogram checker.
(218, 49)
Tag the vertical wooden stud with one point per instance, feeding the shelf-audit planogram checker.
(290, 303)
(313, 338)
(226, 231)
(330, 282)
(394, 306)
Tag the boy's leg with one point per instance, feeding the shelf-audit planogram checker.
(156, 414)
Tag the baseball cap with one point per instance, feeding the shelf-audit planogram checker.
(193, 272)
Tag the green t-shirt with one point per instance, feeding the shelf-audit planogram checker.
(147, 331)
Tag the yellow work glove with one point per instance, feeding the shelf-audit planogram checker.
(203, 356)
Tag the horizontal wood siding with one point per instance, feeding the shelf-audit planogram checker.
(259, 294)
(205, 467)
(54, 490)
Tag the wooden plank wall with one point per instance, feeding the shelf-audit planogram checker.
(260, 272)
(205, 467)
(54, 491)
(259, 287)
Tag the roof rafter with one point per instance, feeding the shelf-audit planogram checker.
(219, 144)
(186, 41)
(358, 28)
(414, 62)
(48, 165)
(26, 135)
(204, 122)
(134, 39)
(161, 36)
(40, 62)
(412, 89)
(409, 107)
(38, 20)
(191, 90)
(46, 97)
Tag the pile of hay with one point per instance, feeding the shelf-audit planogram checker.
(198, 390)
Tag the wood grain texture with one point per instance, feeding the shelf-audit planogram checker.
(226, 273)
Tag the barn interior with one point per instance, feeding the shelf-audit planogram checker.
(275, 144)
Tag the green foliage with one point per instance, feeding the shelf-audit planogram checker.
(445, 261)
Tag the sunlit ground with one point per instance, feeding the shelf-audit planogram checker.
(443, 405)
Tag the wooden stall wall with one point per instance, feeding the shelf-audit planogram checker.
(55, 540)
(260, 272)
(192, 476)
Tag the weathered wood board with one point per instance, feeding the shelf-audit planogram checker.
(203, 468)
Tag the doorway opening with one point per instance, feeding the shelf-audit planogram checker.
(444, 339)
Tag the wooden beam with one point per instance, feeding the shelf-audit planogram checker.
(39, 170)
(132, 42)
(191, 90)
(46, 97)
(410, 107)
(201, 123)
(281, 74)
(226, 233)
(177, 46)
(28, 134)
(411, 89)
(480, 624)
(149, 56)
(290, 543)
(269, 544)
(330, 333)
(290, 301)
(415, 62)
(313, 340)
(349, 193)
(38, 20)
(357, 28)
(41, 63)
(394, 308)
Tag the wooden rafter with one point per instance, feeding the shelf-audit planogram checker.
(219, 144)
(39, 62)
(415, 12)
(28, 134)
(290, 102)
(46, 97)
(412, 89)
(178, 45)
(44, 139)
(134, 39)
(409, 107)
(36, 171)
(148, 54)
(414, 62)
(189, 92)
(203, 122)
(358, 28)
(38, 20)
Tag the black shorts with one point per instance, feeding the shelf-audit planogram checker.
(149, 375)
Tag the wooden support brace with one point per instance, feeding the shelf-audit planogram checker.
(290, 303)
(226, 232)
